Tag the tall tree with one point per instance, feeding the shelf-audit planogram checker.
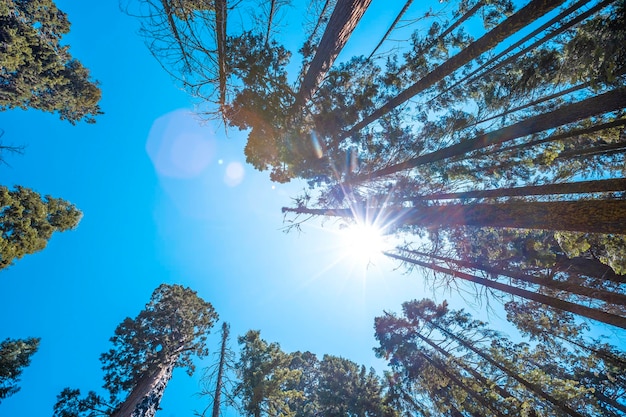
(166, 334)
(36, 70)
(27, 221)
(265, 379)
(15, 355)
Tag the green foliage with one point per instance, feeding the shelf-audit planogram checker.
(15, 355)
(27, 221)
(173, 327)
(265, 378)
(168, 332)
(36, 71)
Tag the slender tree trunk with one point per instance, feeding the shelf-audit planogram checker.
(534, 388)
(581, 310)
(552, 138)
(524, 17)
(219, 385)
(589, 216)
(606, 149)
(603, 103)
(598, 294)
(343, 20)
(391, 28)
(144, 399)
(220, 38)
(597, 186)
(457, 381)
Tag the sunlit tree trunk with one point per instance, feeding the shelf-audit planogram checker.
(144, 399)
(343, 20)
(522, 18)
(569, 113)
(557, 303)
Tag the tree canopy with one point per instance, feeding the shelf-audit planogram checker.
(28, 220)
(36, 70)
(15, 355)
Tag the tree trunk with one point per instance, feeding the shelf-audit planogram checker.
(534, 388)
(581, 310)
(144, 399)
(341, 24)
(393, 25)
(522, 18)
(220, 39)
(220, 372)
(598, 294)
(597, 186)
(588, 216)
(588, 267)
(569, 113)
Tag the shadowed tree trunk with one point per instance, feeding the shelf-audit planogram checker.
(589, 216)
(220, 39)
(522, 18)
(144, 399)
(598, 186)
(557, 303)
(569, 113)
(341, 24)
(219, 384)
(391, 28)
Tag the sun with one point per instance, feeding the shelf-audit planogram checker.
(363, 242)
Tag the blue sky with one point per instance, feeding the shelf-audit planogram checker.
(166, 199)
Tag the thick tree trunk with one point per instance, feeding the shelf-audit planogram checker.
(522, 18)
(597, 186)
(557, 303)
(589, 216)
(144, 399)
(343, 20)
(569, 113)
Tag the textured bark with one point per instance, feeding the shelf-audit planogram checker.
(341, 24)
(144, 399)
(569, 113)
(616, 184)
(522, 18)
(584, 311)
(589, 216)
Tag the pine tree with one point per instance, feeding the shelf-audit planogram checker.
(27, 221)
(15, 355)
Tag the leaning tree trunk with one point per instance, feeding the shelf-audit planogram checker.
(144, 399)
(525, 16)
(569, 113)
(345, 17)
(582, 187)
(557, 303)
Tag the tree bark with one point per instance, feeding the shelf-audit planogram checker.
(219, 385)
(588, 216)
(522, 18)
(569, 113)
(584, 311)
(598, 294)
(144, 399)
(597, 186)
(220, 39)
(341, 24)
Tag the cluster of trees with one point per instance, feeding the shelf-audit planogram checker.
(38, 72)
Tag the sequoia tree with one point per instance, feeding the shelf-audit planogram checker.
(166, 334)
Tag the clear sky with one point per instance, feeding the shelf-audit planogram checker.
(168, 200)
